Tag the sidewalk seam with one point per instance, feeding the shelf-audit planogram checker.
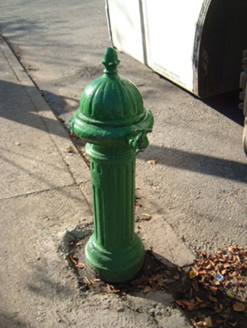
(29, 81)
(39, 192)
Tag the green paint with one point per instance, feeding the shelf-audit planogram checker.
(112, 119)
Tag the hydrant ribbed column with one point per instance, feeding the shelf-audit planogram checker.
(112, 119)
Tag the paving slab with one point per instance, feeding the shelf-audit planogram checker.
(46, 191)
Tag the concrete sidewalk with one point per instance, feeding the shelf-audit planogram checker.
(44, 191)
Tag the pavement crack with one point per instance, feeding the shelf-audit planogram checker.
(37, 192)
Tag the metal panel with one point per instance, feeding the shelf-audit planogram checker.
(194, 43)
(170, 31)
(125, 25)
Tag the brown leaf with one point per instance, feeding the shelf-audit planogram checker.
(191, 307)
(202, 272)
(213, 289)
(198, 300)
(218, 322)
(193, 273)
(95, 280)
(69, 150)
(210, 266)
(186, 302)
(180, 303)
(195, 285)
(146, 289)
(218, 309)
(200, 324)
(87, 281)
(238, 307)
(152, 162)
(226, 265)
(212, 298)
(208, 322)
(223, 272)
(227, 283)
(80, 265)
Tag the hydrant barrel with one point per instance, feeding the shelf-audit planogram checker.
(112, 119)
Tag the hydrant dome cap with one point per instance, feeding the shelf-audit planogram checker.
(111, 100)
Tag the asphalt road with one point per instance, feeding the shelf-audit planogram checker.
(198, 184)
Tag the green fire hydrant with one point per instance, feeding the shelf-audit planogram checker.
(113, 121)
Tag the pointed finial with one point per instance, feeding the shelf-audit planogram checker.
(110, 61)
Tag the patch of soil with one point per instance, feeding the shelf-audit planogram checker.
(212, 293)
(154, 275)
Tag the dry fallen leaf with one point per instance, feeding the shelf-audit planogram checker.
(147, 216)
(180, 303)
(213, 289)
(219, 322)
(212, 298)
(195, 286)
(80, 265)
(218, 309)
(69, 150)
(95, 280)
(186, 302)
(193, 273)
(191, 307)
(208, 322)
(230, 293)
(200, 324)
(87, 281)
(238, 307)
(59, 117)
(146, 289)
(152, 162)
(74, 260)
(198, 300)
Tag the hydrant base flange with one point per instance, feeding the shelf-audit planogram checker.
(118, 266)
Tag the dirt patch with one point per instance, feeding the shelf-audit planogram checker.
(212, 293)
(154, 275)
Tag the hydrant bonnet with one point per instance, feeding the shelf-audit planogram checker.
(111, 107)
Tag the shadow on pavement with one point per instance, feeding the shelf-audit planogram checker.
(203, 164)
(227, 105)
(23, 110)
(8, 319)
